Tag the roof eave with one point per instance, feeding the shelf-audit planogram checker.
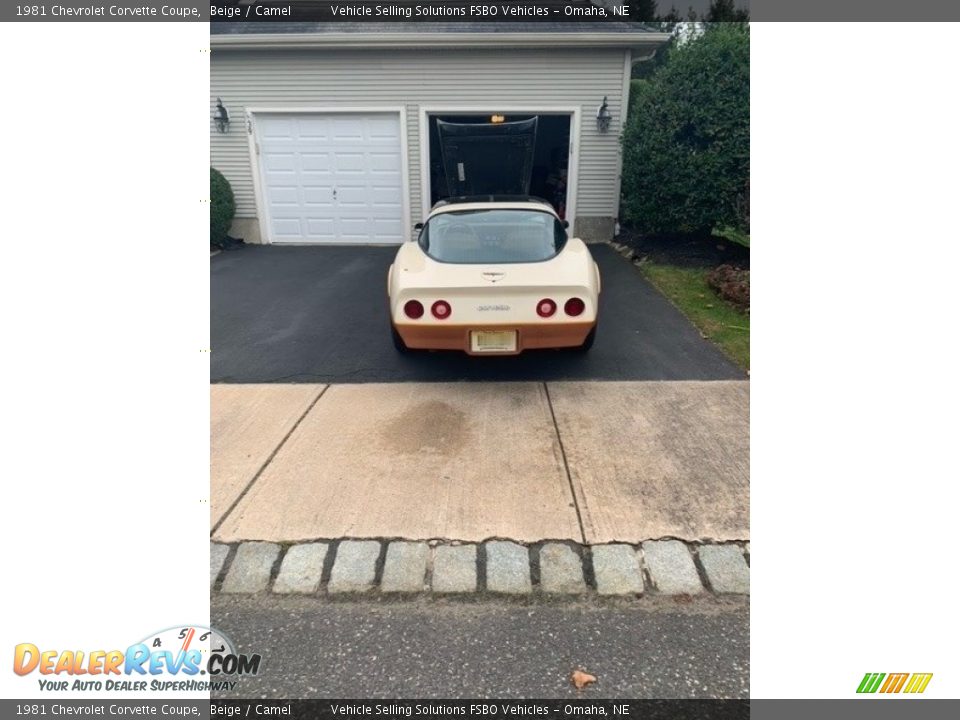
(647, 40)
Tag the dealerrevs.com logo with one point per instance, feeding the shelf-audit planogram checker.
(183, 658)
(911, 683)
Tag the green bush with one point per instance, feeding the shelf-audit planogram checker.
(638, 89)
(687, 139)
(222, 207)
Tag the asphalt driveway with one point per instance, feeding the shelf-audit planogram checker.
(319, 314)
(395, 650)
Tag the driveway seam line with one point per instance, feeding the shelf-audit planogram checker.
(566, 465)
(266, 462)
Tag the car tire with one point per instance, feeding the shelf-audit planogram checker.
(588, 342)
(398, 342)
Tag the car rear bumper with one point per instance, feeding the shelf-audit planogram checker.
(529, 337)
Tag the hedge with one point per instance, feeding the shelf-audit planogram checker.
(222, 207)
(687, 139)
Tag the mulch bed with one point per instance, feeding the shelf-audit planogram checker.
(729, 263)
(686, 250)
(732, 284)
(228, 243)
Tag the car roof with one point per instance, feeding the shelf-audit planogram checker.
(491, 202)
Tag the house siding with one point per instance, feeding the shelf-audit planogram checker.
(415, 78)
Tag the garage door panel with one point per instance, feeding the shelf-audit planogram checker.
(323, 182)
(280, 162)
(287, 227)
(321, 228)
(350, 162)
(284, 196)
(386, 196)
(316, 162)
(388, 228)
(352, 196)
(313, 128)
(318, 196)
(380, 162)
(381, 130)
(276, 128)
(371, 229)
(332, 177)
(347, 127)
(281, 182)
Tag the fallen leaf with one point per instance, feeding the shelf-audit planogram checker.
(581, 679)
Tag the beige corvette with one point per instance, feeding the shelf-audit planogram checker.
(493, 276)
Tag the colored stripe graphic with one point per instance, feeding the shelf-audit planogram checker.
(915, 683)
(918, 682)
(870, 682)
(894, 682)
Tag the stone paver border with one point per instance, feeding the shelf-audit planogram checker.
(403, 568)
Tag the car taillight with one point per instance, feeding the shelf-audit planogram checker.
(574, 306)
(546, 307)
(440, 309)
(413, 309)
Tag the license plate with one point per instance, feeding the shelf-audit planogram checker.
(493, 341)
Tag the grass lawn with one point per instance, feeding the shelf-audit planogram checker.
(687, 288)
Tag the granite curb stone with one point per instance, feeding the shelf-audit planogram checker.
(616, 569)
(671, 567)
(508, 568)
(726, 569)
(218, 556)
(455, 569)
(251, 567)
(301, 569)
(561, 570)
(405, 569)
(355, 566)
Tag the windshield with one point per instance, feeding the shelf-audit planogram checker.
(493, 236)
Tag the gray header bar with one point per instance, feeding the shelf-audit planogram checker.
(852, 10)
(267, 11)
(873, 708)
(862, 708)
(113, 10)
(105, 708)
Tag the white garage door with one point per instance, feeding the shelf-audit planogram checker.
(332, 177)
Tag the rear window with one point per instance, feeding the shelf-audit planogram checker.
(493, 236)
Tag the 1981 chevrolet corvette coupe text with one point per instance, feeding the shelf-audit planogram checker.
(493, 275)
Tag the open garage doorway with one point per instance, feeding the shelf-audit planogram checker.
(552, 156)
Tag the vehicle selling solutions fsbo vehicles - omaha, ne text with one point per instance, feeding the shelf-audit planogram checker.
(493, 275)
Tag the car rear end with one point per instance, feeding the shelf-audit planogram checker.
(497, 309)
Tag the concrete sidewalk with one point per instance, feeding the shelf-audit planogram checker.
(589, 462)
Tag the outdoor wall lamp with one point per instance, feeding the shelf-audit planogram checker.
(221, 117)
(603, 116)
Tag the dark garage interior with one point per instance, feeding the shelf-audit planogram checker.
(551, 155)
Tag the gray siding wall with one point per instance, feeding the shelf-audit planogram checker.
(484, 78)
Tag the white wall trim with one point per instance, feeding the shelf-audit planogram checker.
(573, 169)
(256, 170)
(573, 164)
(258, 194)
